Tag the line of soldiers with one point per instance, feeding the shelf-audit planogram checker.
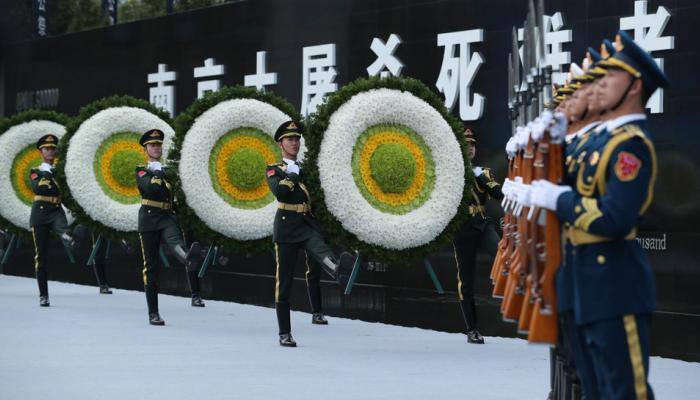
(605, 287)
(295, 229)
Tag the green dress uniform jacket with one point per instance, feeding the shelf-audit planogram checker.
(290, 226)
(48, 210)
(155, 188)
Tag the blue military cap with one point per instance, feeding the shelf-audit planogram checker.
(594, 55)
(637, 62)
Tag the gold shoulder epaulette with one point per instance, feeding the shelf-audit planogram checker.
(630, 130)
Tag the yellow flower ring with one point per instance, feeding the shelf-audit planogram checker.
(100, 160)
(114, 164)
(18, 156)
(237, 167)
(23, 163)
(386, 184)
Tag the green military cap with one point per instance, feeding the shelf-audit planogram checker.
(47, 141)
(288, 129)
(469, 135)
(152, 136)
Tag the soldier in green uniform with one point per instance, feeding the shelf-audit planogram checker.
(47, 215)
(158, 225)
(295, 228)
(478, 232)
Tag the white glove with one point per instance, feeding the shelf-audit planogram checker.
(293, 169)
(478, 171)
(546, 118)
(538, 128)
(545, 194)
(523, 194)
(155, 165)
(559, 127)
(510, 148)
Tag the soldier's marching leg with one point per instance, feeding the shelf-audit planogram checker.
(580, 361)
(40, 235)
(313, 287)
(285, 259)
(60, 227)
(173, 236)
(619, 349)
(321, 252)
(150, 251)
(99, 266)
(464, 247)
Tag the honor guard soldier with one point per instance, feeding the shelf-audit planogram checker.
(583, 116)
(158, 225)
(47, 215)
(477, 233)
(295, 228)
(613, 283)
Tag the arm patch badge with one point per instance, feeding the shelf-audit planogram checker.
(627, 166)
(270, 172)
(33, 176)
(142, 173)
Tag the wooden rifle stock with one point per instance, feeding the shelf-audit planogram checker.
(544, 327)
(513, 299)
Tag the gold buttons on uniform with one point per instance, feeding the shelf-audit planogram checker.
(283, 217)
(577, 209)
(601, 259)
(589, 178)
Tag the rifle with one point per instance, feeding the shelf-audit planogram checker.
(543, 325)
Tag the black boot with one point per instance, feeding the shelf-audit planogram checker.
(193, 282)
(152, 299)
(286, 340)
(44, 301)
(283, 318)
(105, 290)
(330, 266)
(68, 241)
(197, 301)
(155, 319)
(473, 336)
(318, 319)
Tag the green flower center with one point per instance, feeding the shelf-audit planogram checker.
(393, 167)
(246, 169)
(121, 167)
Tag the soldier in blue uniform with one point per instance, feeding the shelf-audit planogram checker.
(47, 215)
(477, 233)
(158, 225)
(613, 284)
(583, 114)
(295, 228)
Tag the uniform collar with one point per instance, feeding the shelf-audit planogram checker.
(290, 162)
(624, 119)
(586, 128)
(46, 167)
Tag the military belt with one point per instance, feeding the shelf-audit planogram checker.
(473, 210)
(48, 199)
(159, 204)
(300, 208)
(579, 237)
